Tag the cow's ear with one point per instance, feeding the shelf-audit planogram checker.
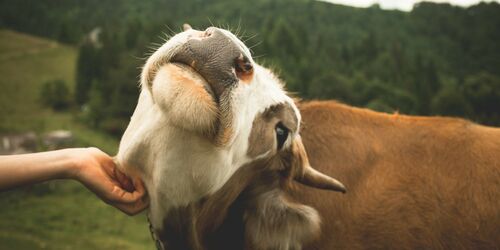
(305, 174)
(186, 27)
(273, 222)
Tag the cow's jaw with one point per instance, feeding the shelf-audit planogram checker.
(172, 142)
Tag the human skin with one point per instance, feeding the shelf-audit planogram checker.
(90, 166)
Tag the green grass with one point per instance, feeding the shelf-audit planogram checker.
(58, 214)
(64, 215)
(25, 64)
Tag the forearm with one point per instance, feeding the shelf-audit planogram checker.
(90, 166)
(18, 170)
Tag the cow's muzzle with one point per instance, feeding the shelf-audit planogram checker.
(216, 57)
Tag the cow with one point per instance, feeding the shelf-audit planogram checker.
(414, 182)
(225, 154)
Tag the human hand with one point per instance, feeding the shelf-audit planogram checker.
(98, 172)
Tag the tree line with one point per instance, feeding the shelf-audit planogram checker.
(437, 59)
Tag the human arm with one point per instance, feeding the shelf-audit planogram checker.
(90, 166)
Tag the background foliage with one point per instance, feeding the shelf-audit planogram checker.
(436, 60)
(59, 214)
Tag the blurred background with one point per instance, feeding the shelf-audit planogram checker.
(70, 78)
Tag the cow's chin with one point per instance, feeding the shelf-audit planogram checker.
(186, 98)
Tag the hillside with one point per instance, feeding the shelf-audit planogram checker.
(437, 59)
(59, 214)
(25, 63)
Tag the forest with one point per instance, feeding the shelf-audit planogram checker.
(437, 59)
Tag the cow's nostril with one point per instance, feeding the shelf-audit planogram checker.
(243, 66)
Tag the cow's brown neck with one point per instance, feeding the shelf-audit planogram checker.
(183, 228)
(215, 222)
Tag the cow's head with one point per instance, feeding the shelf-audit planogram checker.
(206, 112)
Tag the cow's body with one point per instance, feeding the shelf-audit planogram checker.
(218, 144)
(413, 182)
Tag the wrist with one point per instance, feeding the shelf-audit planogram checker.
(73, 162)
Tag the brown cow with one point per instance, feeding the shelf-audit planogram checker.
(215, 138)
(414, 182)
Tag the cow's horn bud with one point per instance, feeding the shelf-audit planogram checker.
(186, 27)
(313, 178)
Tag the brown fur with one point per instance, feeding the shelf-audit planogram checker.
(272, 219)
(198, 225)
(251, 211)
(263, 135)
(246, 77)
(224, 125)
(414, 182)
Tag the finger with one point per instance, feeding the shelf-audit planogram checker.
(139, 186)
(134, 208)
(122, 196)
(124, 180)
(119, 195)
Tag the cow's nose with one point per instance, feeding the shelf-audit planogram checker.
(215, 56)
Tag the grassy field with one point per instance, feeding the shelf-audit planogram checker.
(59, 214)
(25, 64)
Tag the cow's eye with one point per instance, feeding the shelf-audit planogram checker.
(281, 134)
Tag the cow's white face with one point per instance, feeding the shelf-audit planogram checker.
(205, 110)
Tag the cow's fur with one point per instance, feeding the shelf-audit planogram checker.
(182, 143)
(218, 180)
(414, 182)
(212, 163)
